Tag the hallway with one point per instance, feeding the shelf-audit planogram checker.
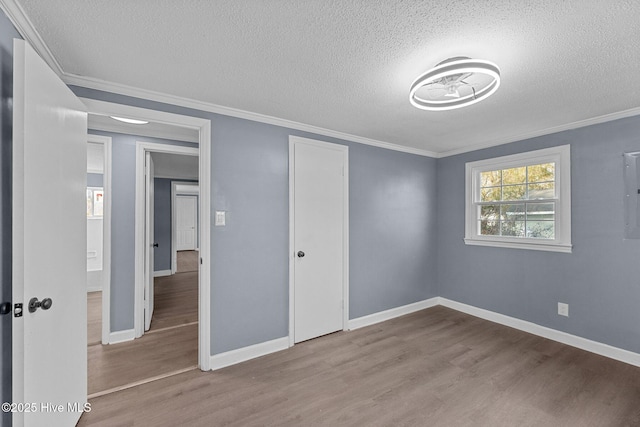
(169, 347)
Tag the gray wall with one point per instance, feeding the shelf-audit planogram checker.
(7, 34)
(392, 224)
(250, 255)
(599, 280)
(162, 224)
(249, 260)
(122, 224)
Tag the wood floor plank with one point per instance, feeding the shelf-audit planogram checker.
(170, 345)
(436, 367)
(94, 317)
(176, 300)
(115, 365)
(187, 261)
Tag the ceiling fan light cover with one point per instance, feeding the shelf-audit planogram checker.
(453, 67)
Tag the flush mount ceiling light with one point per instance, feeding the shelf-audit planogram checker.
(131, 121)
(455, 83)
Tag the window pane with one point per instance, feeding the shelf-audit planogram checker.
(514, 176)
(541, 229)
(513, 192)
(512, 212)
(491, 194)
(490, 212)
(512, 228)
(540, 211)
(489, 228)
(545, 190)
(543, 172)
(490, 178)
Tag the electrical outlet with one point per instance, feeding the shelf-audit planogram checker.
(563, 309)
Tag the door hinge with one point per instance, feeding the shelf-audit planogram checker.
(17, 310)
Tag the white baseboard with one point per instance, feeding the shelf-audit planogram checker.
(229, 358)
(94, 289)
(122, 336)
(232, 357)
(381, 316)
(606, 350)
(162, 273)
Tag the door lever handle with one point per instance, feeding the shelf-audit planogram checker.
(155, 245)
(300, 254)
(5, 308)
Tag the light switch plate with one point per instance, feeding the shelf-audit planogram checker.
(220, 219)
(563, 309)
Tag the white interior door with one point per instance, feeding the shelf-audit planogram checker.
(49, 245)
(187, 222)
(319, 237)
(149, 241)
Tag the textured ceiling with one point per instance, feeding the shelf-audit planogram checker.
(348, 65)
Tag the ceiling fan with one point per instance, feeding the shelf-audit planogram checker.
(450, 85)
(454, 83)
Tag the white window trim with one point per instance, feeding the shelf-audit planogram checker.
(561, 156)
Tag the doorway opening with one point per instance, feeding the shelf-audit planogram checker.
(157, 166)
(180, 320)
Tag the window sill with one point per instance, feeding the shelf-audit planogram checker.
(535, 246)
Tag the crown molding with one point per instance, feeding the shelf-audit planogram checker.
(120, 89)
(548, 131)
(25, 27)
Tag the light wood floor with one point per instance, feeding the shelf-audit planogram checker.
(175, 300)
(436, 367)
(187, 261)
(94, 317)
(170, 345)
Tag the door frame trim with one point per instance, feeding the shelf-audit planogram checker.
(174, 237)
(293, 140)
(142, 148)
(204, 276)
(106, 233)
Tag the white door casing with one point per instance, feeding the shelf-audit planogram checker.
(204, 168)
(186, 222)
(319, 238)
(149, 241)
(49, 347)
(105, 142)
(142, 149)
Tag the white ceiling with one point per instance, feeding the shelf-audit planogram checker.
(156, 130)
(347, 66)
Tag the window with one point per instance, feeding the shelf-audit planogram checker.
(94, 201)
(520, 201)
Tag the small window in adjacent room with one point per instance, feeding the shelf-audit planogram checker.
(95, 197)
(520, 201)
